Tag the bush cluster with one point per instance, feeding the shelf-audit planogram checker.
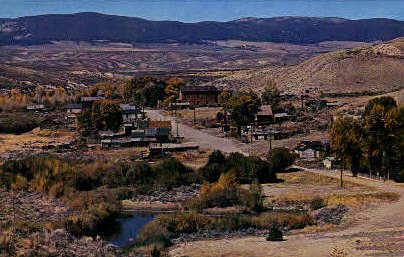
(169, 226)
(247, 169)
(13, 123)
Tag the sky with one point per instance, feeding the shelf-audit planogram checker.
(212, 10)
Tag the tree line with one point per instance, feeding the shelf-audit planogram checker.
(375, 143)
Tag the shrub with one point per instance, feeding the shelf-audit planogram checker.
(92, 214)
(17, 123)
(317, 203)
(153, 232)
(280, 158)
(275, 234)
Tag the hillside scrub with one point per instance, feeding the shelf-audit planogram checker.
(17, 123)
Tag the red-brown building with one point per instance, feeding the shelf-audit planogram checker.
(199, 96)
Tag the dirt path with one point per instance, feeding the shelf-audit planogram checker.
(204, 139)
(375, 232)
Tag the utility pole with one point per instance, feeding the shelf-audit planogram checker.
(342, 168)
(194, 115)
(270, 140)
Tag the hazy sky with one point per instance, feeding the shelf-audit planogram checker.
(220, 10)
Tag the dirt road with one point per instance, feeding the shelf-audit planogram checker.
(203, 139)
(373, 232)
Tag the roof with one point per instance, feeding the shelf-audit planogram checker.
(281, 114)
(125, 107)
(74, 106)
(266, 110)
(91, 98)
(196, 89)
(316, 145)
(35, 107)
(160, 124)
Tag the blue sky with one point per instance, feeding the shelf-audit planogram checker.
(219, 10)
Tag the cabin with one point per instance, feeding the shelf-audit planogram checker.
(311, 150)
(36, 108)
(87, 101)
(264, 115)
(282, 117)
(129, 112)
(199, 95)
(159, 129)
(74, 108)
(330, 162)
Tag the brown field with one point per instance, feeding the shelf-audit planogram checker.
(32, 141)
(89, 63)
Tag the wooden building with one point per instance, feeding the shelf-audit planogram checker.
(199, 95)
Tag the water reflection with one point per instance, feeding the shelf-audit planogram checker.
(129, 227)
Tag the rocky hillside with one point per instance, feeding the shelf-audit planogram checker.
(94, 26)
(377, 68)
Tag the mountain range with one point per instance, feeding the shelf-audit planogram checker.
(94, 26)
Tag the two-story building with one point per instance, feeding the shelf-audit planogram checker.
(199, 95)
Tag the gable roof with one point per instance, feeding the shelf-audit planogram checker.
(160, 124)
(198, 89)
(74, 106)
(91, 98)
(266, 110)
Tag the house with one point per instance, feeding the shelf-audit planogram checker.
(330, 162)
(159, 129)
(110, 143)
(312, 149)
(282, 116)
(74, 108)
(129, 112)
(87, 101)
(265, 115)
(199, 95)
(36, 108)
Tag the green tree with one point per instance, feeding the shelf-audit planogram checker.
(280, 158)
(381, 138)
(223, 97)
(144, 91)
(172, 90)
(345, 142)
(106, 115)
(243, 107)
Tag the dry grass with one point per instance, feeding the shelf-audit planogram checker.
(208, 113)
(361, 200)
(28, 141)
(193, 159)
(302, 187)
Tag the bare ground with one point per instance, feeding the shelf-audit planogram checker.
(376, 231)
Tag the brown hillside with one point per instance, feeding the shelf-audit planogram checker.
(377, 68)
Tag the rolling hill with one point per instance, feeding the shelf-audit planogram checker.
(94, 26)
(377, 68)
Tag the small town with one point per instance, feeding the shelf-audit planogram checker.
(201, 129)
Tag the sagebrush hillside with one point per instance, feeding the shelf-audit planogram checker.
(377, 68)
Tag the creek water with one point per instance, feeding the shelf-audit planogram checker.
(129, 227)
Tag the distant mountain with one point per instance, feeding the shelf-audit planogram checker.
(94, 26)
